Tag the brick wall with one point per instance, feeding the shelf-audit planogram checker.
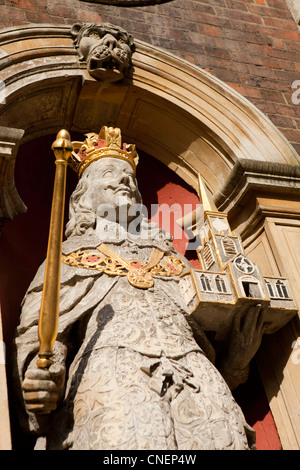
(253, 45)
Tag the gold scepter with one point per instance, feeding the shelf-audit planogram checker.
(49, 311)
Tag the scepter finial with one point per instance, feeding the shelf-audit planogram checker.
(63, 141)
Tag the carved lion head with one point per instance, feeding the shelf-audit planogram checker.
(107, 50)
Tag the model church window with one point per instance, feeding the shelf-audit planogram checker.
(229, 247)
(221, 287)
(270, 289)
(205, 283)
(251, 289)
(207, 256)
(281, 290)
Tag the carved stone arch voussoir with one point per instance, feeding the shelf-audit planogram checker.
(178, 113)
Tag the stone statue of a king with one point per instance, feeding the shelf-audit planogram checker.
(131, 371)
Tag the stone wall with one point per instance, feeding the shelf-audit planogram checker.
(252, 45)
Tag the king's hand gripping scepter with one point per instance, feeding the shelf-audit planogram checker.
(49, 311)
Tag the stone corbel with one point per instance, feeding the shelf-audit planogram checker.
(260, 174)
(11, 204)
(250, 179)
(239, 195)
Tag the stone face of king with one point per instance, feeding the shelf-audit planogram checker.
(130, 370)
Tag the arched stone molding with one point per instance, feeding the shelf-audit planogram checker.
(10, 201)
(171, 109)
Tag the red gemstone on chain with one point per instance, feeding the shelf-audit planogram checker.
(92, 258)
(136, 264)
(171, 267)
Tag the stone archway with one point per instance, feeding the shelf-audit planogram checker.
(184, 117)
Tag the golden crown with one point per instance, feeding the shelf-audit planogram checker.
(107, 144)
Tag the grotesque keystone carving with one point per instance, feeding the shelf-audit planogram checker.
(107, 50)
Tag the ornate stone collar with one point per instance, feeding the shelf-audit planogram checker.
(139, 273)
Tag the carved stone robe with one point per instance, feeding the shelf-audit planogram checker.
(138, 376)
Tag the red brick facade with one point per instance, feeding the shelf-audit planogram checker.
(253, 45)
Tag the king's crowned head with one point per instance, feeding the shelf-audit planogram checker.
(107, 144)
